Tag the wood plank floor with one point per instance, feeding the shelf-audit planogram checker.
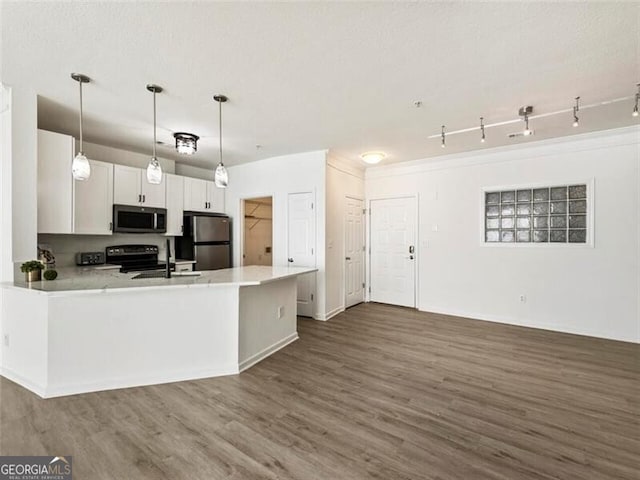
(377, 392)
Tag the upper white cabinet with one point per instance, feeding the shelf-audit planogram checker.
(132, 188)
(202, 196)
(94, 201)
(174, 202)
(55, 182)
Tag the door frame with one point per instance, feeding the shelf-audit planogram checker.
(241, 200)
(416, 270)
(344, 249)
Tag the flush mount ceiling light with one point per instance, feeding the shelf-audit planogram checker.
(80, 168)
(635, 109)
(442, 143)
(186, 143)
(373, 157)
(154, 171)
(482, 137)
(525, 112)
(221, 176)
(576, 109)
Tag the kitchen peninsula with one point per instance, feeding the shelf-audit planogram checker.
(100, 330)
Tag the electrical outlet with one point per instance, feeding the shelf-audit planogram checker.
(280, 312)
(5, 339)
(523, 299)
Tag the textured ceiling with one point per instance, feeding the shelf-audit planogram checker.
(308, 76)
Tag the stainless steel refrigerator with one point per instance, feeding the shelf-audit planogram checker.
(206, 239)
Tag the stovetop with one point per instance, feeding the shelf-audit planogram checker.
(136, 258)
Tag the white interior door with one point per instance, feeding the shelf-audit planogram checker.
(393, 258)
(354, 251)
(301, 246)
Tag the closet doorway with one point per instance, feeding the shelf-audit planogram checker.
(257, 235)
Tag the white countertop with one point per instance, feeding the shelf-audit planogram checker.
(87, 279)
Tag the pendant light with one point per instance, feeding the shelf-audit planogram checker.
(576, 109)
(442, 143)
(80, 168)
(154, 171)
(483, 138)
(635, 108)
(221, 177)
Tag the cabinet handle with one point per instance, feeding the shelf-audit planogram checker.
(110, 226)
(144, 198)
(139, 198)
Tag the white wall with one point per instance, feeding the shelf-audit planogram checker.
(577, 289)
(277, 177)
(24, 172)
(343, 180)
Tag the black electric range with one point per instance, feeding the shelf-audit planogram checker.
(136, 258)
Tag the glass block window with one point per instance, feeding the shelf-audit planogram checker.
(555, 214)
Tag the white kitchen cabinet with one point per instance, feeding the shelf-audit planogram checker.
(216, 197)
(93, 201)
(132, 188)
(55, 182)
(202, 196)
(175, 203)
(195, 194)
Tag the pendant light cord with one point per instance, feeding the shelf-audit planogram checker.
(154, 123)
(220, 122)
(80, 82)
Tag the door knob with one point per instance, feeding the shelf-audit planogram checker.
(290, 260)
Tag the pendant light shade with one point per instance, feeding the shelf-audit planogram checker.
(80, 167)
(221, 177)
(154, 171)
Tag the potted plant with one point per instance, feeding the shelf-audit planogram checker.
(32, 270)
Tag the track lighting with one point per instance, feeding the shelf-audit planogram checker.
(154, 171)
(576, 109)
(80, 167)
(635, 109)
(442, 134)
(482, 138)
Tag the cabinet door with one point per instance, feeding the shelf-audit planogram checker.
(55, 182)
(215, 198)
(153, 195)
(175, 203)
(126, 182)
(195, 194)
(93, 200)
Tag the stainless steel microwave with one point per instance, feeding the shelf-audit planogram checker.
(133, 219)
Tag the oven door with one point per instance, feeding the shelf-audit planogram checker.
(131, 219)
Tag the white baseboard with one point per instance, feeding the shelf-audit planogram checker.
(326, 316)
(23, 382)
(270, 350)
(53, 391)
(554, 327)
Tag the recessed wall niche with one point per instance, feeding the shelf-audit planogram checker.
(554, 214)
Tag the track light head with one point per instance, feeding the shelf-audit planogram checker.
(525, 112)
(576, 109)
